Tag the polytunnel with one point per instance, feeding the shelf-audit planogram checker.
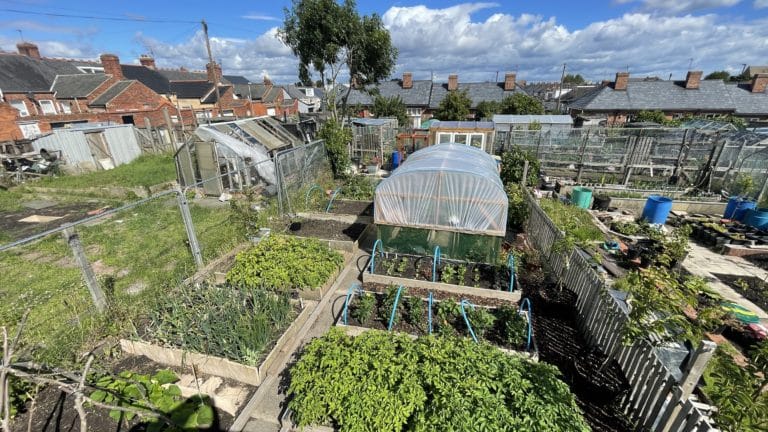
(447, 195)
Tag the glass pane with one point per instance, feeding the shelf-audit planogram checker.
(460, 138)
(477, 140)
(443, 138)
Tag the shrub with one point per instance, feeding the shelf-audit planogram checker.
(284, 262)
(513, 164)
(518, 206)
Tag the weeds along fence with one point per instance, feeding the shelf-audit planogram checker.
(657, 401)
(620, 153)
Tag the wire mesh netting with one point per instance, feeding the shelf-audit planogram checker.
(297, 170)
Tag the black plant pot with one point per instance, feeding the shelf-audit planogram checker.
(295, 226)
(601, 202)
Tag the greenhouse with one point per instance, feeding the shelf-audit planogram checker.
(448, 195)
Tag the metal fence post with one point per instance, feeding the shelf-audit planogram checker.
(73, 240)
(190, 227)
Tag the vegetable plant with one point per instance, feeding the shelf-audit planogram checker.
(385, 310)
(363, 307)
(481, 320)
(414, 307)
(401, 266)
(461, 273)
(448, 273)
(447, 313)
(510, 326)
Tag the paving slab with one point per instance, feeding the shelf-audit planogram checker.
(38, 204)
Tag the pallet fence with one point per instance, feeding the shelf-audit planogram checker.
(655, 401)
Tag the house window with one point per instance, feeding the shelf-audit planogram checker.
(29, 130)
(228, 113)
(21, 107)
(175, 118)
(414, 112)
(270, 111)
(48, 107)
(476, 140)
(310, 92)
(65, 108)
(443, 138)
(460, 138)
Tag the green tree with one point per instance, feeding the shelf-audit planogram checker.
(454, 106)
(486, 109)
(521, 103)
(574, 79)
(336, 140)
(513, 164)
(331, 38)
(390, 107)
(721, 75)
(655, 117)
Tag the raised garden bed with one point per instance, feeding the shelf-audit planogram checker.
(326, 229)
(716, 234)
(752, 288)
(350, 207)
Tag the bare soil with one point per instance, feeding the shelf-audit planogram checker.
(10, 225)
(441, 295)
(349, 207)
(327, 230)
(477, 275)
(758, 260)
(752, 288)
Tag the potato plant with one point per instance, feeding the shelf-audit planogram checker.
(388, 382)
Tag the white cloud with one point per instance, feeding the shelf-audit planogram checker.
(260, 17)
(760, 4)
(681, 6)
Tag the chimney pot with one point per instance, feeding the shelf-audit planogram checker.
(759, 83)
(147, 61)
(111, 64)
(407, 80)
(622, 79)
(214, 72)
(28, 49)
(509, 81)
(453, 82)
(693, 79)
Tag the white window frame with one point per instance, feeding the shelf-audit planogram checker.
(47, 107)
(271, 112)
(23, 110)
(228, 113)
(466, 136)
(65, 108)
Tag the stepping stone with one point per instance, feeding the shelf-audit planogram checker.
(38, 204)
(39, 219)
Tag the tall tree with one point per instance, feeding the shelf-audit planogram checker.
(521, 103)
(454, 106)
(721, 75)
(331, 39)
(390, 107)
(574, 79)
(486, 109)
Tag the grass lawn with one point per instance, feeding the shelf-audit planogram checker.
(137, 255)
(146, 170)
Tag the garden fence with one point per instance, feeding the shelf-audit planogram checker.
(655, 401)
(298, 169)
(616, 154)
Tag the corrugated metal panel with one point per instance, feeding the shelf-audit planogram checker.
(123, 144)
(72, 144)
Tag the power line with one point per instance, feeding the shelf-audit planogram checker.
(96, 17)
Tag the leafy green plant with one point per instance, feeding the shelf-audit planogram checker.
(448, 274)
(349, 382)
(575, 222)
(518, 210)
(19, 393)
(390, 267)
(388, 302)
(461, 274)
(447, 313)
(414, 307)
(513, 164)
(358, 187)
(285, 262)
(402, 265)
(481, 320)
(244, 214)
(510, 326)
(476, 276)
(363, 307)
(155, 393)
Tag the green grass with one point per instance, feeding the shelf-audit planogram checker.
(10, 200)
(574, 221)
(144, 249)
(146, 170)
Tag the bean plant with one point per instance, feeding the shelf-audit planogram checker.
(363, 307)
(415, 310)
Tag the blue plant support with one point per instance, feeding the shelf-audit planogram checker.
(333, 197)
(466, 319)
(511, 265)
(527, 303)
(429, 312)
(394, 308)
(309, 192)
(350, 294)
(373, 253)
(435, 262)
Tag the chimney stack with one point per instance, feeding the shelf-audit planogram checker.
(622, 78)
(28, 49)
(407, 80)
(509, 81)
(111, 65)
(453, 82)
(147, 61)
(214, 72)
(759, 83)
(693, 79)
(267, 81)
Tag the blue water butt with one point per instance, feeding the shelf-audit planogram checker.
(395, 159)
(741, 209)
(757, 218)
(730, 208)
(657, 209)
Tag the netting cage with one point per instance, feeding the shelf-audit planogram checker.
(447, 195)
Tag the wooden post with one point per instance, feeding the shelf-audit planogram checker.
(99, 299)
(524, 180)
(696, 366)
(171, 129)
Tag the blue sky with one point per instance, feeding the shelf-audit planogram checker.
(476, 40)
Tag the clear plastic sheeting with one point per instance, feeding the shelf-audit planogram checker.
(234, 149)
(446, 187)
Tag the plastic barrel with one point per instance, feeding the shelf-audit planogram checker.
(657, 209)
(757, 218)
(741, 209)
(601, 202)
(730, 208)
(581, 197)
(395, 159)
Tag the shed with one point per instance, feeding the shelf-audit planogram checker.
(91, 147)
(507, 122)
(473, 133)
(447, 195)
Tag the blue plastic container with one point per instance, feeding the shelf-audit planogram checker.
(730, 208)
(757, 218)
(395, 159)
(657, 209)
(741, 209)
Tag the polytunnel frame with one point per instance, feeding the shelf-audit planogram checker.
(480, 160)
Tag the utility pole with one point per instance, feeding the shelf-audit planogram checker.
(213, 65)
(560, 93)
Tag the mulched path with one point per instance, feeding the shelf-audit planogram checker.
(752, 288)
(349, 207)
(327, 230)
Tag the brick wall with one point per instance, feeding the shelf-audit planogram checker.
(9, 130)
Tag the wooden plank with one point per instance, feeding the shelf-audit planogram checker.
(656, 410)
(655, 385)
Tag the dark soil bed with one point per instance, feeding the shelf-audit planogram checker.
(54, 410)
(758, 260)
(379, 319)
(440, 295)
(752, 288)
(11, 226)
(476, 275)
(560, 343)
(349, 207)
(327, 230)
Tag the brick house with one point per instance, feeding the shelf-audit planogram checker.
(268, 99)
